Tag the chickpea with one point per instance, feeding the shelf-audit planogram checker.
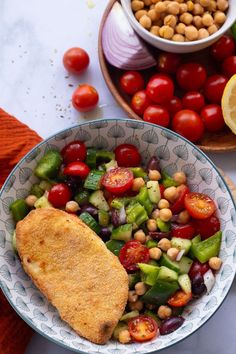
(145, 22)
(140, 288)
(186, 18)
(137, 184)
(205, 3)
(212, 29)
(197, 21)
(137, 305)
(139, 14)
(164, 244)
(212, 6)
(183, 217)
(153, 15)
(140, 236)
(124, 336)
(151, 225)
(132, 296)
(160, 7)
(155, 30)
(155, 253)
(163, 204)
(171, 194)
(164, 312)
(30, 200)
(198, 9)
(180, 28)
(203, 33)
(166, 32)
(207, 20)
(191, 33)
(137, 5)
(180, 177)
(165, 214)
(172, 253)
(190, 6)
(178, 38)
(222, 5)
(154, 175)
(219, 17)
(183, 8)
(147, 2)
(215, 263)
(156, 214)
(72, 206)
(173, 8)
(170, 20)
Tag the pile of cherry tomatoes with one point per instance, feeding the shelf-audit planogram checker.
(181, 95)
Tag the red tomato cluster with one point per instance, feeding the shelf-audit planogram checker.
(197, 109)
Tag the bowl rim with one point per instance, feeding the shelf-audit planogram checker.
(137, 27)
(117, 119)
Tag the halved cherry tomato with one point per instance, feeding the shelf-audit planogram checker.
(199, 205)
(207, 227)
(59, 195)
(178, 205)
(182, 231)
(198, 268)
(74, 151)
(77, 169)
(131, 82)
(179, 299)
(127, 155)
(142, 328)
(162, 188)
(132, 253)
(118, 180)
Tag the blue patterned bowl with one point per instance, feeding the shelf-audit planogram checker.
(175, 153)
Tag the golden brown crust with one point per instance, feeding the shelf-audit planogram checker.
(72, 267)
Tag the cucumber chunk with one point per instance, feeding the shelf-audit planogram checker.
(181, 244)
(93, 180)
(127, 316)
(154, 191)
(48, 166)
(42, 202)
(90, 222)
(122, 233)
(160, 292)
(98, 200)
(167, 274)
(115, 246)
(185, 283)
(185, 264)
(167, 262)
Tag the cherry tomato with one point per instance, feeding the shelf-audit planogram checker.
(74, 151)
(59, 195)
(207, 227)
(212, 117)
(140, 101)
(131, 82)
(160, 89)
(229, 66)
(223, 48)
(191, 76)
(183, 231)
(178, 205)
(127, 155)
(179, 299)
(168, 63)
(199, 205)
(118, 180)
(77, 169)
(162, 188)
(189, 124)
(76, 60)
(157, 115)
(132, 253)
(142, 328)
(85, 98)
(193, 100)
(174, 106)
(198, 268)
(214, 88)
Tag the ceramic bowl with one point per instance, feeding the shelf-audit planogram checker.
(179, 47)
(175, 153)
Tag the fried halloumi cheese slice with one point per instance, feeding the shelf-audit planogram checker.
(73, 268)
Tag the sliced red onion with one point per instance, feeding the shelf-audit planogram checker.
(209, 280)
(180, 255)
(121, 45)
(122, 215)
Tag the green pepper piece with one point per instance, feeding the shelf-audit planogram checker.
(48, 166)
(149, 273)
(138, 172)
(134, 279)
(82, 197)
(144, 200)
(36, 190)
(115, 246)
(19, 209)
(136, 214)
(196, 239)
(163, 226)
(151, 243)
(168, 181)
(160, 292)
(91, 158)
(118, 203)
(208, 248)
(105, 156)
(90, 222)
(103, 217)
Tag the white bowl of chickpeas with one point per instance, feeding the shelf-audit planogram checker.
(180, 26)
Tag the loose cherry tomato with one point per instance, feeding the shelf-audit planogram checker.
(74, 151)
(168, 63)
(207, 227)
(118, 180)
(182, 231)
(127, 155)
(214, 88)
(189, 124)
(191, 76)
(132, 253)
(223, 48)
(199, 205)
(160, 89)
(76, 60)
(142, 328)
(198, 268)
(85, 98)
(178, 205)
(77, 169)
(229, 66)
(212, 117)
(179, 299)
(174, 106)
(140, 101)
(157, 115)
(193, 100)
(59, 195)
(131, 82)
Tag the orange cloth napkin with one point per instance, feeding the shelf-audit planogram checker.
(16, 139)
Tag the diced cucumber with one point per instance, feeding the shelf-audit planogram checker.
(48, 166)
(82, 197)
(115, 246)
(144, 200)
(122, 233)
(127, 316)
(14, 245)
(181, 244)
(121, 326)
(98, 200)
(36, 190)
(185, 283)
(134, 279)
(163, 226)
(160, 292)
(93, 180)
(103, 218)
(185, 264)
(167, 262)
(42, 203)
(118, 203)
(151, 243)
(149, 273)
(167, 274)
(111, 164)
(91, 158)
(90, 222)
(154, 191)
(19, 209)
(138, 172)
(154, 316)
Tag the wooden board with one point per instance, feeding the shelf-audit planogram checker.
(220, 142)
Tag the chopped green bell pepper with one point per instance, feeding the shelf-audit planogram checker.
(208, 248)
(168, 181)
(144, 200)
(115, 246)
(19, 209)
(49, 165)
(160, 292)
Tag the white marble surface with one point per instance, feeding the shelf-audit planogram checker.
(35, 88)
